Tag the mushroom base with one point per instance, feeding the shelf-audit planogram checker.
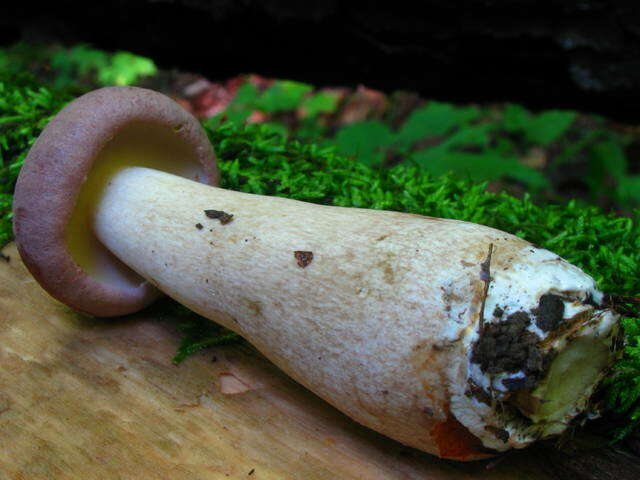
(526, 383)
(572, 378)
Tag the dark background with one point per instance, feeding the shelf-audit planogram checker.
(579, 54)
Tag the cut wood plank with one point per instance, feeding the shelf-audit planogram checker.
(82, 398)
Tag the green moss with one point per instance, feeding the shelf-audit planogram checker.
(25, 108)
(623, 388)
(80, 65)
(254, 159)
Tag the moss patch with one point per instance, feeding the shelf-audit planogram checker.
(25, 108)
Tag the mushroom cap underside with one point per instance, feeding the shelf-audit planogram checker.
(67, 168)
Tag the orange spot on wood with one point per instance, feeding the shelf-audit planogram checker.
(455, 442)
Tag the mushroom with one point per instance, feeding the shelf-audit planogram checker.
(451, 337)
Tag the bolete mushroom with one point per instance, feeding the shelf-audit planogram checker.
(454, 338)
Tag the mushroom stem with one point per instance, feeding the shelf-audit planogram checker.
(377, 312)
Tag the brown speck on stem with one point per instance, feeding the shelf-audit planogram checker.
(224, 217)
(303, 258)
(252, 471)
(199, 226)
(485, 276)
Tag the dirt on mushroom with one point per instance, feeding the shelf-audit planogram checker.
(303, 258)
(224, 217)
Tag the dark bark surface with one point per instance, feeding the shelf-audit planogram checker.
(597, 464)
(582, 54)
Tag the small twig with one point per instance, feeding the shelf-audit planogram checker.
(620, 303)
(623, 298)
(485, 276)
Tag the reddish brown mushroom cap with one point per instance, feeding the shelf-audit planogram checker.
(58, 166)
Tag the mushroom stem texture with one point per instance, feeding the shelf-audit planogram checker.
(447, 336)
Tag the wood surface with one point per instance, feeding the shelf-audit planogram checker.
(82, 398)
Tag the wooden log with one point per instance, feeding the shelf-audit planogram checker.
(83, 398)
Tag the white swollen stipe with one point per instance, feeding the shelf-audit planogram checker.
(377, 312)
